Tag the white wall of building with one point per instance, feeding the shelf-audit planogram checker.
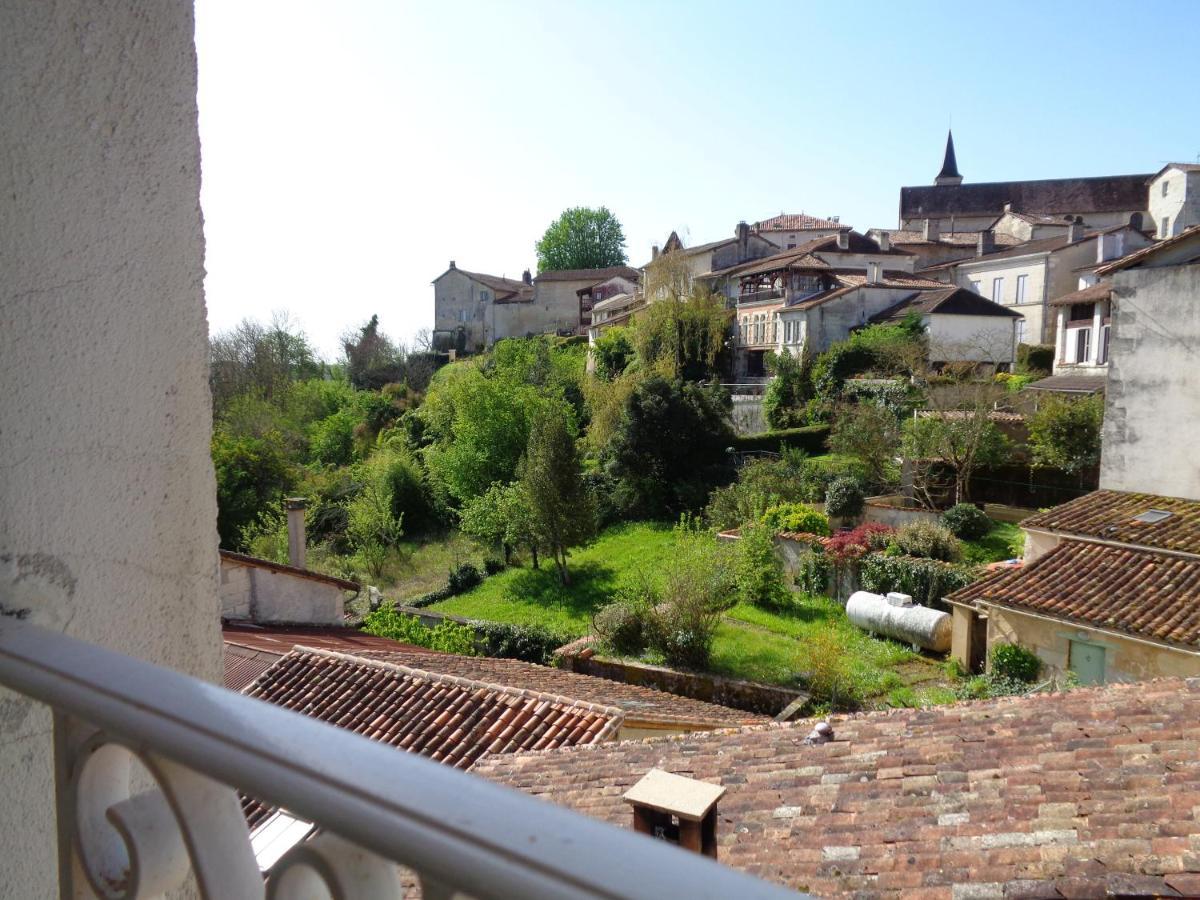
(107, 497)
(262, 594)
(971, 338)
(1152, 402)
(1174, 202)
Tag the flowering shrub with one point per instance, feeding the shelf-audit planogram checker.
(847, 546)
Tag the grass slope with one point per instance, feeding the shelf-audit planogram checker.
(528, 596)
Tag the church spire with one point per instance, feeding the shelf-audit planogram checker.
(949, 173)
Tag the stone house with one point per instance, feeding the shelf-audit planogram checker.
(1099, 202)
(1175, 199)
(929, 245)
(961, 325)
(710, 263)
(1109, 591)
(1029, 276)
(465, 307)
(556, 297)
(787, 231)
(1152, 412)
(597, 293)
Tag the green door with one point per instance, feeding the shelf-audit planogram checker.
(1087, 662)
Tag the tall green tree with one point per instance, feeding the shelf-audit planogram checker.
(260, 360)
(372, 360)
(1065, 433)
(561, 508)
(582, 238)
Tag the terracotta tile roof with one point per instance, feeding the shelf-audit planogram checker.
(1113, 193)
(449, 719)
(593, 275)
(953, 238)
(947, 301)
(799, 257)
(243, 666)
(1139, 592)
(1109, 516)
(795, 222)
(1070, 384)
(1081, 793)
(243, 560)
(1097, 293)
(279, 639)
(636, 701)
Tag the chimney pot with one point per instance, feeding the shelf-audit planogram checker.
(660, 800)
(527, 277)
(873, 272)
(654, 252)
(1074, 231)
(295, 507)
(452, 264)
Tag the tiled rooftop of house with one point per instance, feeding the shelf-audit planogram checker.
(1138, 592)
(955, 238)
(639, 703)
(594, 275)
(450, 719)
(1067, 795)
(795, 222)
(1114, 516)
(1113, 193)
(949, 301)
(1096, 293)
(1069, 384)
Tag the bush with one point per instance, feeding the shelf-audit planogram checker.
(1035, 359)
(462, 578)
(531, 643)
(760, 483)
(252, 474)
(447, 637)
(844, 498)
(785, 402)
(493, 566)
(825, 660)
(927, 541)
(758, 569)
(984, 687)
(926, 580)
(622, 626)
(1015, 662)
(811, 439)
(812, 572)
(795, 517)
(966, 522)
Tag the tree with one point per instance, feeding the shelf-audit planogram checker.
(683, 332)
(1065, 433)
(870, 433)
(582, 238)
(372, 360)
(785, 402)
(561, 508)
(670, 448)
(262, 360)
(501, 516)
(612, 352)
(963, 440)
(252, 475)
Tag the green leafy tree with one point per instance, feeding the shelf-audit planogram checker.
(785, 403)
(1065, 433)
(501, 517)
(612, 353)
(670, 448)
(963, 440)
(871, 434)
(582, 238)
(257, 359)
(682, 334)
(252, 476)
(560, 506)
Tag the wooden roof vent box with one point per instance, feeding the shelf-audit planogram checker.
(676, 809)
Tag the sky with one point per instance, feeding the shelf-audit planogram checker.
(352, 148)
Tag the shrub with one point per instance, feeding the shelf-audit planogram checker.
(844, 498)
(462, 578)
(927, 541)
(1015, 662)
(252, 473)
(493, 566)
(786, 399)
(810, 439)
(758, 570)
(812, 571)
(531, 643)
(452, 637)
(926, 580)
(1035, 359)
(760, 483)
(825, 660)
(795, 517)
(846, 546)
(983, 687)
(447, 637)
(622, 625)
(966, 522)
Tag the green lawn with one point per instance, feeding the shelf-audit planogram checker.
(1004, 541)
(524, 595)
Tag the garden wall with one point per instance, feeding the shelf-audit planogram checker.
(896, 510)
(746, 695)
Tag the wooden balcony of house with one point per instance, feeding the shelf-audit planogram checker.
(761, 296)
(149, 765)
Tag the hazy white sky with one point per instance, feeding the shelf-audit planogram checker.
(351, 148)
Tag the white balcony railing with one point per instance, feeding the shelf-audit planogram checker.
(376, 808)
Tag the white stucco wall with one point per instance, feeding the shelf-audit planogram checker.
(971, 338)
(265, 595)
(107, 497)
(1152, 402)
(1180, 206)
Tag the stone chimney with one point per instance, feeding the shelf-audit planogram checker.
(295, 507)
(654, 253)
(930, 230)
(452, 264)
(743, 240)
(885, 241)
(527, 277)
(843, 239)
(1075, 230)
(986, 243)
(874, 272)
(676, 809)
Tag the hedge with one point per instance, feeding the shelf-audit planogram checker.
(811, 439)
(1035, 358)
(926, 580)
(531, 643)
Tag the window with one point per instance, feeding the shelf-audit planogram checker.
(1020, 331)
(1021, 279)
(1166, 227)
(484, 297)
(977, 287)
(1166, 185)
(462, 315)
(997, 290)
(1082, 312)
(1102, 356)
(1083, 344)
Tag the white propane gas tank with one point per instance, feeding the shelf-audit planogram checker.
(895, 616)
